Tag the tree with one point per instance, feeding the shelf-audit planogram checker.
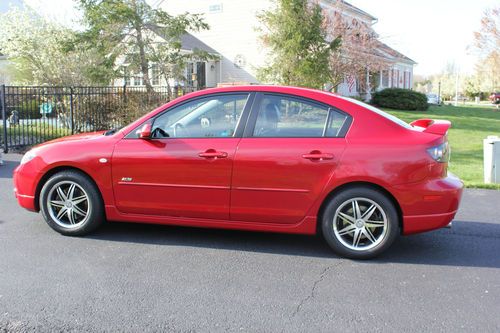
(448, 80)
(472, 86)
(358, 48)
(423, 84)
(35, 47)
(131, 28)
(487, 45)
(487, 39)
(488, 72)
(300, 51)
(171, 61)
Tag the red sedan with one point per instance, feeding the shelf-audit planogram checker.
(262, 158)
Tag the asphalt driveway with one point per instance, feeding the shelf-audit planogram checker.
(129, 277)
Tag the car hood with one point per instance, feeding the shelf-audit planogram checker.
(76, 137)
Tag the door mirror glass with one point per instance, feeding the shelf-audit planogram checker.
(145, 131)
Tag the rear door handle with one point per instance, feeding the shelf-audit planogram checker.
(211, 153)
(317, 156)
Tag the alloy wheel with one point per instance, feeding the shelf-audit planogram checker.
(360, 224)
(68, 204)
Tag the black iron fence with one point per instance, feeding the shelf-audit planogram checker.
(34, 114)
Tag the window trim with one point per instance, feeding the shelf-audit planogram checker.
(240, 126)
(259, 96)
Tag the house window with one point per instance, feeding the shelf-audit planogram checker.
(385, 78)
(189, 74)
(215, 8)
(155, 75)
(126, 76)
(138, 80)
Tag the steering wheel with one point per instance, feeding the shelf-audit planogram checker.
(159, 133)
(178, 127)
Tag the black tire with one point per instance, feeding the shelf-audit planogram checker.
(91, 204)
(381, 226)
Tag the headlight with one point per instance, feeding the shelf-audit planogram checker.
(28, 157)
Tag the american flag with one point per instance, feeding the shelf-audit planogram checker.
(351, 83)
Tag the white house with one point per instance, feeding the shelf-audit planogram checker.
(234, 36)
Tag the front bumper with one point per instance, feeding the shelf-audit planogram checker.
(25, 187)
(429, 205)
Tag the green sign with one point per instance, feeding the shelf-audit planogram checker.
(46, 108)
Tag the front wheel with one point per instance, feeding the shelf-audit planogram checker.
(71, 204)
(360, 223)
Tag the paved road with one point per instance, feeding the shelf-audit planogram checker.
(138, 277)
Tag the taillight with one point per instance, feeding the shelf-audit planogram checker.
(440, 153)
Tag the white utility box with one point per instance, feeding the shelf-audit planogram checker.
(491, 149)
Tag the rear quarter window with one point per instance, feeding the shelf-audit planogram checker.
(380, 113)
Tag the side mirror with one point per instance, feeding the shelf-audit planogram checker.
(145, 132)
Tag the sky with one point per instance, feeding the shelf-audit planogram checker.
(431, 32)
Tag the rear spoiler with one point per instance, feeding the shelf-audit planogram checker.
(439, 127)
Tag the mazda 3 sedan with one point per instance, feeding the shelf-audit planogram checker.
(261, 158)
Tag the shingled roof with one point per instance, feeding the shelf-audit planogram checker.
(385, 50)
(191, 43)
(357, 10)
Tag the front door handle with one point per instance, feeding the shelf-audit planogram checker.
(212, 153)
(316, 155)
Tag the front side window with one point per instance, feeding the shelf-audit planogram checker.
(283, 116)
(209, 117)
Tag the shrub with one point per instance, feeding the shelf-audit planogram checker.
(27, 109)
(401, 99)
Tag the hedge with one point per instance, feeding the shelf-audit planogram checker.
(400, 99)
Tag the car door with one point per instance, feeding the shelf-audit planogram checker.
(184, 168)
(289, 152)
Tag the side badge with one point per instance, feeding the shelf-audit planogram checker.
(103, 160)
(126, 179)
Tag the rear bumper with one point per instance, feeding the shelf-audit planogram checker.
(420, 223)
(429, 205)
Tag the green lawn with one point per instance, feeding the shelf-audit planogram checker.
(470, 124)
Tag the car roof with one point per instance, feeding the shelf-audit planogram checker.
(300, 91)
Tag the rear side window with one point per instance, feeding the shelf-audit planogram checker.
(286, 116)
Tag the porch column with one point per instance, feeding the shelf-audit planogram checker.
(368, 95)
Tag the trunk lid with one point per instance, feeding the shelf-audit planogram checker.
(439, 127)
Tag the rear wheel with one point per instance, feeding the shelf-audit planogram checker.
(360, 223)
(71, 204)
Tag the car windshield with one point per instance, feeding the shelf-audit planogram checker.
(380, 112)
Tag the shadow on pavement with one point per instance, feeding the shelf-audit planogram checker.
(468, 244)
